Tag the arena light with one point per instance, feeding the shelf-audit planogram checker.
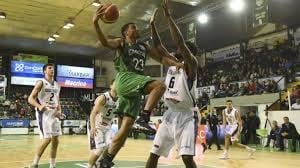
(96, 3)
(56, 35)
(237, 5)
(2, 15)
(203, 18)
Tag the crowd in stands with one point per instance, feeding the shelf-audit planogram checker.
(17, 106)
(256, 64)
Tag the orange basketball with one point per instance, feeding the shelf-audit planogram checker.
(111, 14)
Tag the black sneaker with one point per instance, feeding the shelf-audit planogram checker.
(106, 164)
(143, 126)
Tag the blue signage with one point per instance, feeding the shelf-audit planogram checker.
(75, 72)
(26, 67)
(14, 123)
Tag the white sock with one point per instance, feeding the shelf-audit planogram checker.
(52, 162)
(248, 148)
(225, 151)
(90, 166)
(36, 159)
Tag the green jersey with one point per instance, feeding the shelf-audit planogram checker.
(131, 58)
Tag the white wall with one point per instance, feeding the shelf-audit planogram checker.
(294, 116)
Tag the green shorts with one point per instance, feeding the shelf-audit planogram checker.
(130, 88)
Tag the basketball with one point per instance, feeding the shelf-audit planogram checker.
(111, 14)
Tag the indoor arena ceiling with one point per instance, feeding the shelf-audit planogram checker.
(40, 19)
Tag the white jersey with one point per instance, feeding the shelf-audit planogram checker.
(178, 96)
(231, 116)
(49, 94)
(105, 116)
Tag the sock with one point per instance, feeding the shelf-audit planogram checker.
(225, 151)
(90, 166)
(52, 162)
(36, 159)
(248, 148)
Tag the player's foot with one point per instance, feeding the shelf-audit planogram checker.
(143, 124)
(219, 148)
(224, 156)
(106, 164)
(251, 151)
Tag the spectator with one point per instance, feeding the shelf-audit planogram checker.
(288, 131)
(296, 106)
(212, 125)
(274, 134)
(252, 125)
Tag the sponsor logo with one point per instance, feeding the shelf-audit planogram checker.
(156, 146)
(75, 83)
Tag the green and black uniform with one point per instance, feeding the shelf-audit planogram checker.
(130, 82)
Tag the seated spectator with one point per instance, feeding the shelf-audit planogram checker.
(296, 106)
(242, 91)
(288, 131)
(274, 134)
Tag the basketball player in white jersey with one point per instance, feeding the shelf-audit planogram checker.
(232, 117)
(179, 125)
(100, 122)
(45, 98)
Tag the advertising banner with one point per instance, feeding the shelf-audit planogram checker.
(13, 123)
(75, 82)
(226, 54)
(75, 72)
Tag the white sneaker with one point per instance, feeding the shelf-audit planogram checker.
(251, 152)
(224, 156)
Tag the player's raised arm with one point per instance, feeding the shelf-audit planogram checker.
(189, 58)
(98, 105)
(32, 99)
(110, 43)
(158, 52)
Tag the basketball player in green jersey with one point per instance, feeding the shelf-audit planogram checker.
(131, 84)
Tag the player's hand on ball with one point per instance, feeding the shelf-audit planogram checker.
(179, 65)
(153, 18)
(165, 6)
(99, 13)
(93, 132)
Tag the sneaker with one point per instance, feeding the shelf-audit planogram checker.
(224, 156)
(251, 151)
(33, 166)
(106, 164)
(143, 125)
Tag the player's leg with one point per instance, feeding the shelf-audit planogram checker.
(54, 146)
(40, 151)
(162, 144)
(94, 156)
(250, 150)
(226, 146)
(117, 141)
(152, 161)
(155, 91)
(185, 138)
(188, 161)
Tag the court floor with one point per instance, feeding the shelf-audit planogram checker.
(17, 152)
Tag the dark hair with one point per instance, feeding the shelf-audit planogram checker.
(125, 27)
(46, 65)
(286, 117)
(228, 101)
(192, 47)
(112, 81)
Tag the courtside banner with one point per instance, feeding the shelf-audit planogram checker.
(14, 123)
(75, 72)
(73, 123)
(75, 82)
(26, 73)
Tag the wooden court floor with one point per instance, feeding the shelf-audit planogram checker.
(17, 152)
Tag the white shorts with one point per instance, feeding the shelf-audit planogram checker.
(182, 135)
(102, 139)
(49, 126)
(232, 130)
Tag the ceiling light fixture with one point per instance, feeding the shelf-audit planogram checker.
(2, 15)
(51, 39)
(56, 35)
(96, 3)
(203, 18)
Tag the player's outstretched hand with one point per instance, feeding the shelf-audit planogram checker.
(153, 18)
(99, 13)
